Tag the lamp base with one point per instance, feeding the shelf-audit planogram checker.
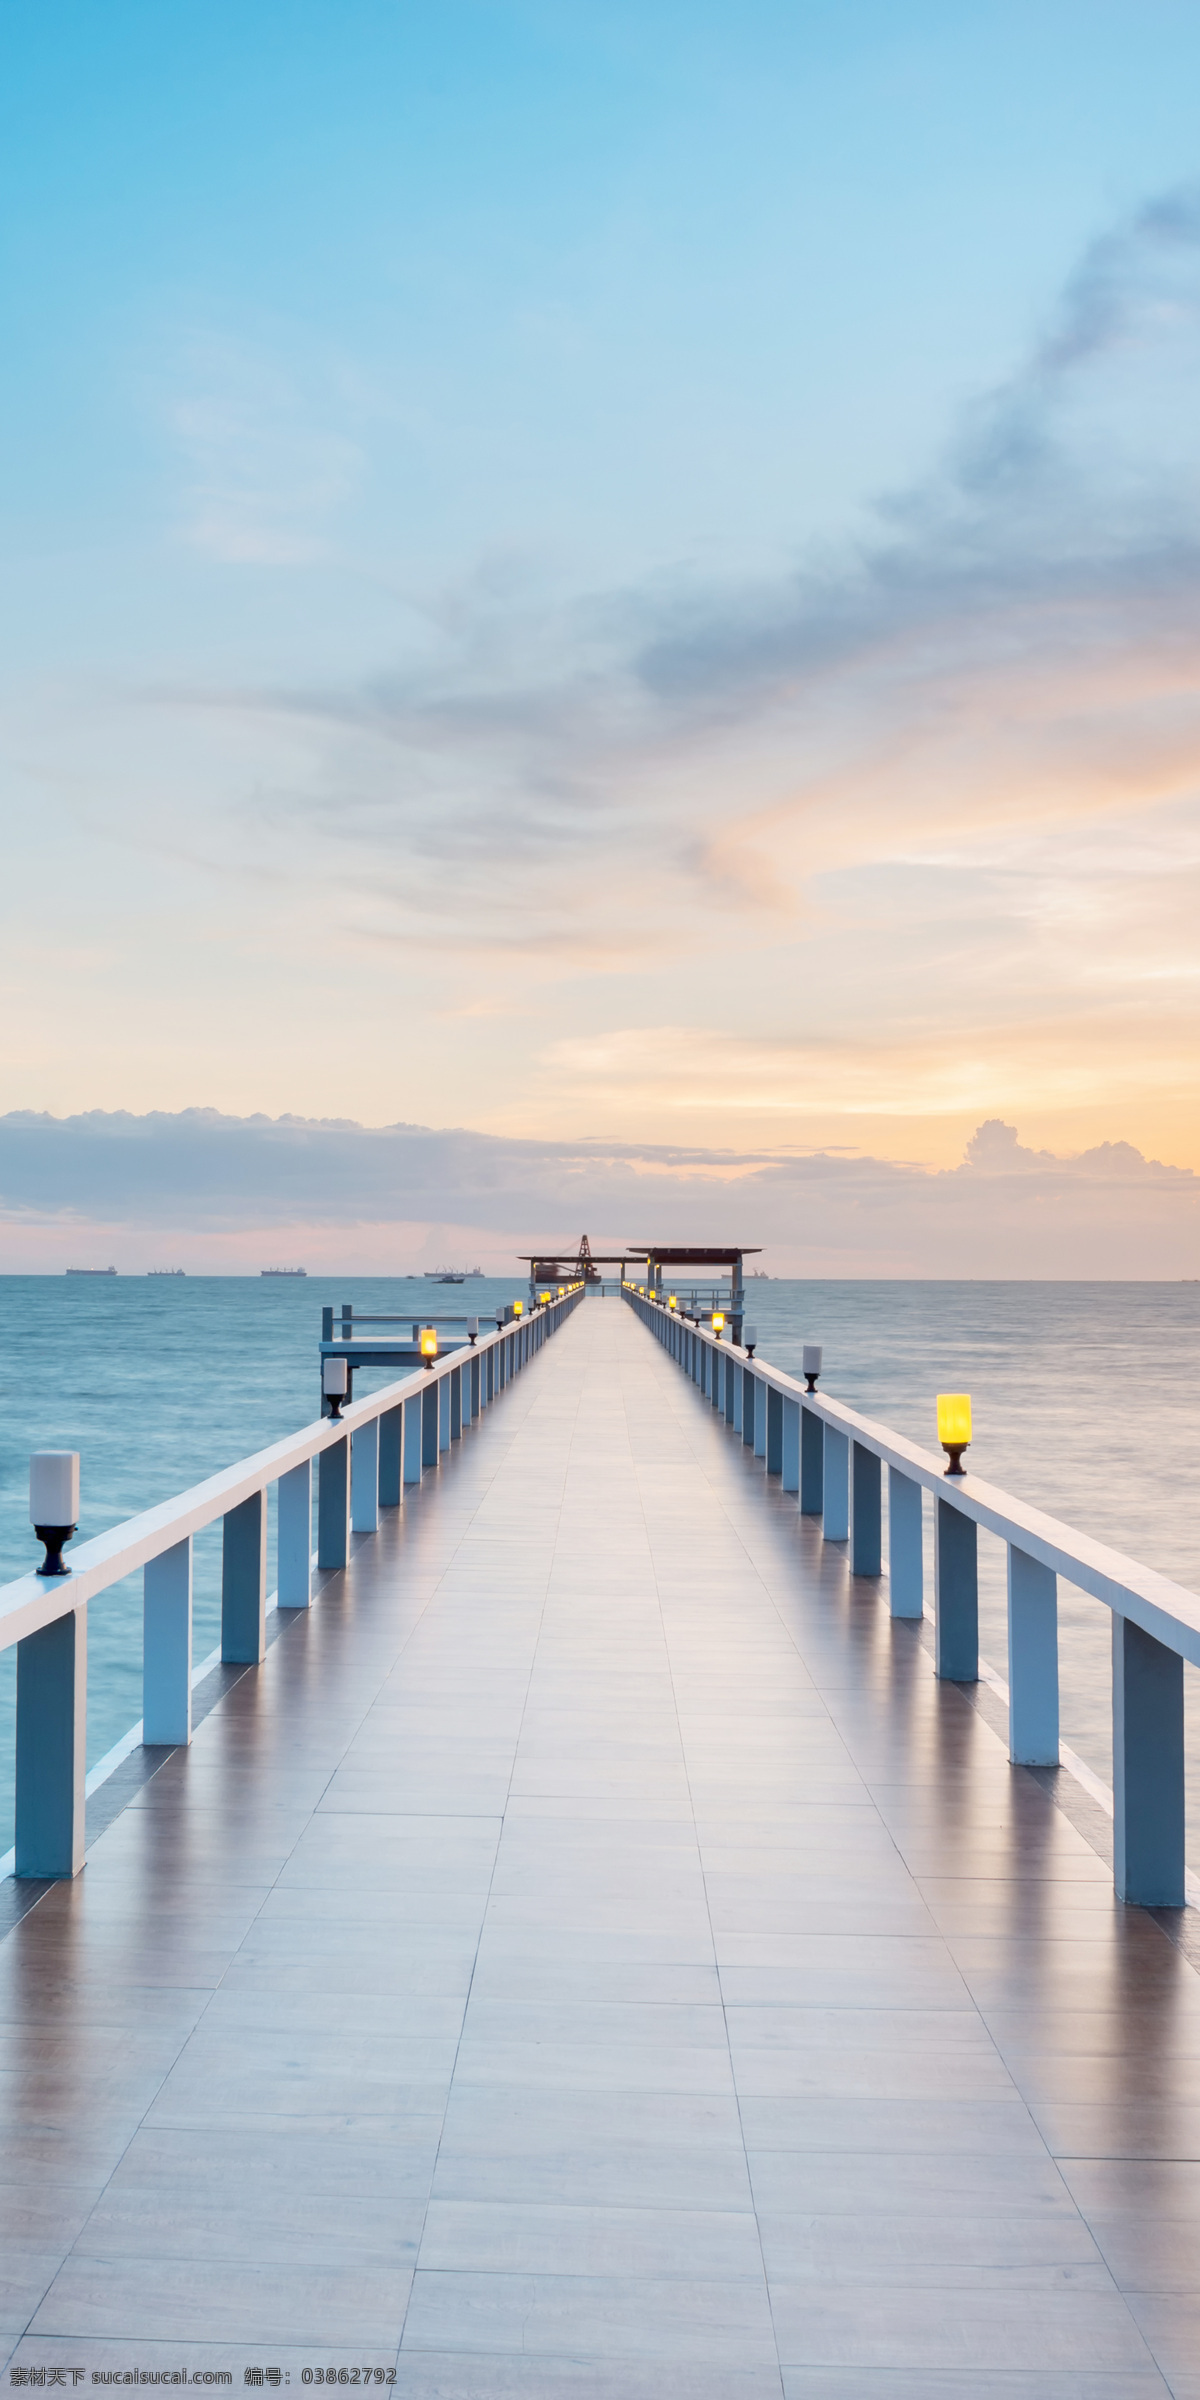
(954, 1451)
(810, 1383)
(53, 1536)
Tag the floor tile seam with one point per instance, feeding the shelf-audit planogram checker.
(483, 1914)
(765, 2278)
(1058, 2165)
(696, 1414)
(975, 2005)
(302, 1616)
(186, 2039)
(754, 1576)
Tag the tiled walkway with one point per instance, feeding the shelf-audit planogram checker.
(594, 1957)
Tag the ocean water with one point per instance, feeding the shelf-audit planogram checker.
(159, 1381)
(1085, 1403)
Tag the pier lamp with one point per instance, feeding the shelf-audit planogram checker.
(472, 1330)
(718, 1323)
(954, 1427)
(672, 1302)
(810, 1363)
(518, 1308)
(749, 1338)
(54, 1504)
(428, 1345)
(544, 1299)
(335, 1383)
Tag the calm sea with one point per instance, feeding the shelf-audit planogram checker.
(1085, 1402)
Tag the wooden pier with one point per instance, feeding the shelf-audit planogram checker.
(592, 1957)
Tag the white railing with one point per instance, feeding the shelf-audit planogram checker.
(832, 1459)
(365, 1460)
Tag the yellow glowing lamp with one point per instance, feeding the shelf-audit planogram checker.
(429, 1344)
(718, 1323)
(518, 1308)
(954, 1427)
(544, 1297)
(672, 1302)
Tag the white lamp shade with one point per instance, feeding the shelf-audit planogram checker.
(54, 1487)
(812, 1356)
(335, 1378)
(472, 1327)
(749, 1336)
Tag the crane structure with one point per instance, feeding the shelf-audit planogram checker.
(652, 1258)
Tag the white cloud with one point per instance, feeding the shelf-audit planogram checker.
(214, 1180)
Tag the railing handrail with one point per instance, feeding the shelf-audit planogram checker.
(414, 1316)
(32, 1601)
(1163, 1608)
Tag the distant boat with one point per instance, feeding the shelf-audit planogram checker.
(449, 1274)
(284, 1270)
(91, 1270)
(166, 1270)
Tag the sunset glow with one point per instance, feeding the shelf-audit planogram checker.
(547, 603)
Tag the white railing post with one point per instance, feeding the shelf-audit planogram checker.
(906, 1559)
(835, 1509)
(866, 1511)
(774, 1431)
(391, 1479)
(812, 1463)
(760, 1418)
(364, 1477)
(412, 1438)
(429, 1426)
(1032, 1661)
(443, 1401)
(1148, 1768)
(791, 1445)
(333, 1505)
(167, 1646)
(956, 1593)
(454, 1379)
(244, 1581)
(294, 1529)
(52, 1748)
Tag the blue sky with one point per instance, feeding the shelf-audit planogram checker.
(566, 564)
(623, 286)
